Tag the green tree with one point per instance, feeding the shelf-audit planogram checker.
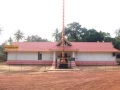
(91, 35)
(57, 35)
(10, 40)
(116, 41)
(35, 38)
(73, 31)
(19, 35)
(3, 55)
(76, 33)
(117, 32)
(109, 39)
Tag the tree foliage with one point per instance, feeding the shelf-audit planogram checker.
(117, 39)
(19, 35)
(10, 40)
(3, 55)
(57, 35)
(117, 32)
(74, 32)
(35, 38)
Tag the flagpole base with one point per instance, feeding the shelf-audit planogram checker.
(63, 65)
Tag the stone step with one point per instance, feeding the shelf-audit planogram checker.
(52, 68)
(63, 66)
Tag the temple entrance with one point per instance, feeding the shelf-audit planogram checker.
(64, 65)
(66, 57)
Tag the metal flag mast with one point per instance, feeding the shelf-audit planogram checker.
(63, 35)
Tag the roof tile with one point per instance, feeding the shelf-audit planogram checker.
(80, 46)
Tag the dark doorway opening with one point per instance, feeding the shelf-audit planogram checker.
(64, 65)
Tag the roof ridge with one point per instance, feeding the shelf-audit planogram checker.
(91, 42)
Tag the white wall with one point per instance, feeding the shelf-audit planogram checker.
(29, 56)
(95, 57)
(47, 56)
(23, 56)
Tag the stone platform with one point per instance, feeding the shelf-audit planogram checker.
(52, 68)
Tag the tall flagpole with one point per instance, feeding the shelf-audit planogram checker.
(63, 35)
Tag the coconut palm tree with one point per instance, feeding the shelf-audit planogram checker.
(10, 40)
(19, 35)
(57, 35)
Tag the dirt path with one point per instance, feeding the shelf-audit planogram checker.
(103, 80)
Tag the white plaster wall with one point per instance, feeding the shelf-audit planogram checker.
(29, 56)
(95, 57)
(47, 56)
(22, 56)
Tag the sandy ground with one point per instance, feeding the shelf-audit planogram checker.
(8, 68)
(74, 80)
(29, 77)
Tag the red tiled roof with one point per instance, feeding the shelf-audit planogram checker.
(94, 46)
(76, 46)
(34, 46)
(66, 48)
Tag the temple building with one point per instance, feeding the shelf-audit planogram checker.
(50, 53)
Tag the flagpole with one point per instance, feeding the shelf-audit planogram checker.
(63, 34)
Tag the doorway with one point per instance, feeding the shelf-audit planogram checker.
(64, 65)
(65, 55)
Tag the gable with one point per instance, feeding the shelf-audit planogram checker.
(66, 43)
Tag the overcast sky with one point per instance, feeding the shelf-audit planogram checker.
(42, 17)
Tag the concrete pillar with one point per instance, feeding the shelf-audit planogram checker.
(73, 54)
(73, 64)
(54, 56)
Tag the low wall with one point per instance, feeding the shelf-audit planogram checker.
(109, 63)
(30, 62)
(50, 62)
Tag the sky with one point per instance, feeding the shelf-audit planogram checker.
(42, 17)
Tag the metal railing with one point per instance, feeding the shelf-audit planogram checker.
(44, 68)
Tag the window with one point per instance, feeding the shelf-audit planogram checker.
(39, 56)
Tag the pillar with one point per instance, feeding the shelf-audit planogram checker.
(73, 64)
(73, 54)
(54, 56)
